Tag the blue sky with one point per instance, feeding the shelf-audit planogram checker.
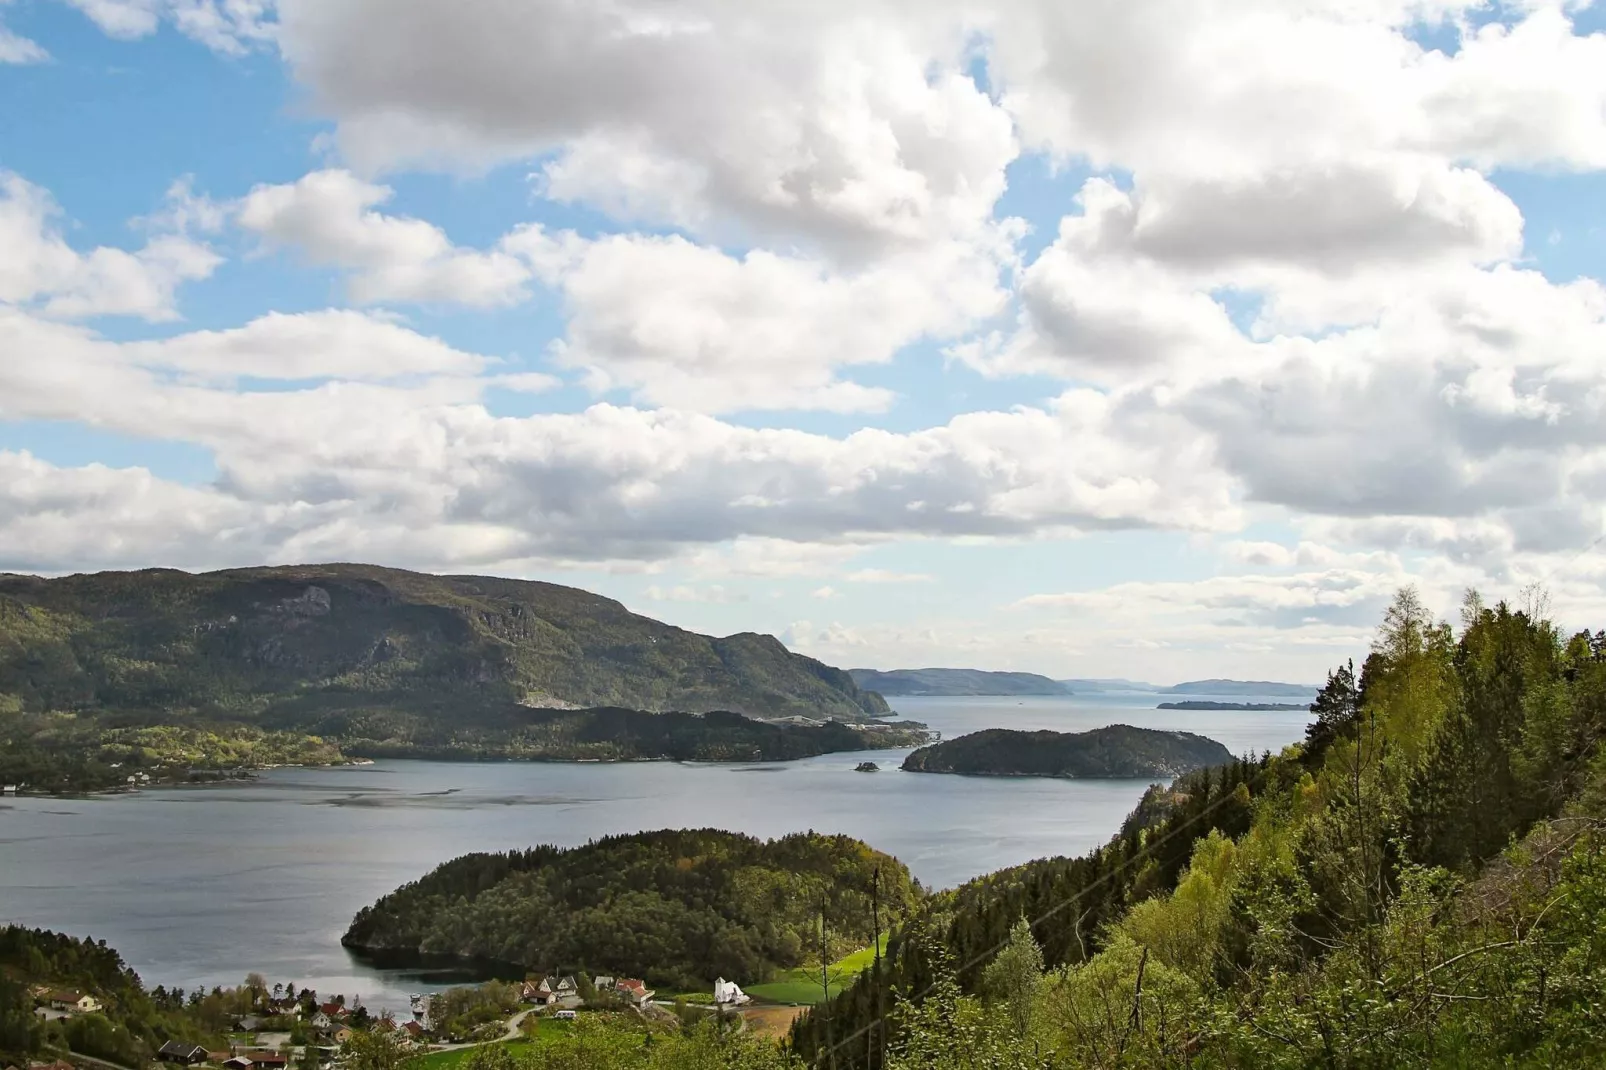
(905, 332)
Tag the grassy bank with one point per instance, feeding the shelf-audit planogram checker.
(803, 986)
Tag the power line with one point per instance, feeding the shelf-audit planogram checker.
(1141, 855)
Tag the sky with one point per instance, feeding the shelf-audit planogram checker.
(1146, 338)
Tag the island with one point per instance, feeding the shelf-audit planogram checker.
(867, 767)
(960, 682)
(1208, 704)
(677, 908)
(1112, 752)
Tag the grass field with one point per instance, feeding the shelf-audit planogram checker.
(451, 1060)
(803, 985)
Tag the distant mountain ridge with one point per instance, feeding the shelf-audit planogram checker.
(296, 644)
(936, 682)
(1260, 688)
(1242, 687)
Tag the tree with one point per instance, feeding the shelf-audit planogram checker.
(1015, 975)
(376, 1049)
(1337, 708)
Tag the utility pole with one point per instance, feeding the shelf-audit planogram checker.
(825, 988)
(875, 977)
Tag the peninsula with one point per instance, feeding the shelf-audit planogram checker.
(676, 907)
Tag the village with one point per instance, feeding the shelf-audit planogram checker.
(290, 1030)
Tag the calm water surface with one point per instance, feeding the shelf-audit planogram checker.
(200, 885)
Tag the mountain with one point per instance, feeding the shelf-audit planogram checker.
(297, 643)
(1260, 707)
(955, 682)
(1092, 686)
(677, 907)
(1267, 688)
(1115, 751)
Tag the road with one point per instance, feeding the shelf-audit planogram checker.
(513, 1033)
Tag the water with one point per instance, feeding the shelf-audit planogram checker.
(201, 885)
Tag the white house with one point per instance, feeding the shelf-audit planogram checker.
(726, 993)
(73, 1002)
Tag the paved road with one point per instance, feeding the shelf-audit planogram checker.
(512, 1033)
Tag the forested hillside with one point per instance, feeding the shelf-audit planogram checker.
(1421, 883)
(1116, 750)
(132, 1022)
(678, 908)
(303, 640)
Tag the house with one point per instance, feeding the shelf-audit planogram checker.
(727, 994)
(268, 1060)
(413, 1029)
(176, 1051)
(536, 991)
(8, 789)
(566, 987)
(341, 1035)
(239, 1062)
(74, 1002)
(602, 984)
(635, 990)
(333, 1010)
(322, 1021)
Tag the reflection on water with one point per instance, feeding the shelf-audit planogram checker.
(201, 885)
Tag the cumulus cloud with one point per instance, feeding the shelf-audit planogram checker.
(16, 49)
(39, 269)
(329, 216)
(418, 470)
(691, 327)
(670, 322)
(849, 129)
(231, 27)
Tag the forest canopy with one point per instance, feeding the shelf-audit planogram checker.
(678, 907)
(1419, 883)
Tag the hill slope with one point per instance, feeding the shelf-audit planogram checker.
(955, 682)
(242, 641)
(1116, 751)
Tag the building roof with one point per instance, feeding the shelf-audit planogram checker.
(178, 1047)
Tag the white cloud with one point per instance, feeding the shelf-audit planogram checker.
(882, 575)
(420, 472)
(691, 327)
(39, 269)
(16, 49)
(231, 27)
(670, 322)
(710, 594)
(330, 217)
(846, 128)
